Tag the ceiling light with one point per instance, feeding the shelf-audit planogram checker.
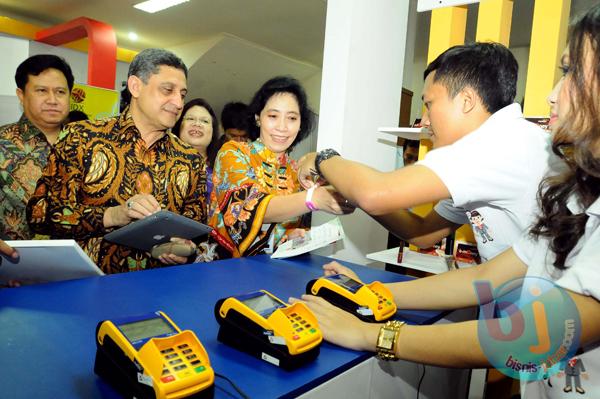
(132, 36)
(153, 6)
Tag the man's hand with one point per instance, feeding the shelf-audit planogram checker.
(5, 249)
(173, 259)
(340, 327)
(332, 268)
(137, 207)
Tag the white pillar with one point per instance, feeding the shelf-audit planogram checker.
(360, 91)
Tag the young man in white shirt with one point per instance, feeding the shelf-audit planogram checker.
(486, 163)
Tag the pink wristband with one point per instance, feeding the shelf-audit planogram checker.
(308, 201)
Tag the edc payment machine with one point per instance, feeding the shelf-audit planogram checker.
(369, 302)
(148, 356)
(264, 326)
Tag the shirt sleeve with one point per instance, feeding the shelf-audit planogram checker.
(54, 207)
(583, 274)
(241, 202)
(447, 210)
(489, 168)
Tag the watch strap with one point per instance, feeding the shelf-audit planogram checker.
(324, 155)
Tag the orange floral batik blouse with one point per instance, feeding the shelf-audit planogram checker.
(246, 176)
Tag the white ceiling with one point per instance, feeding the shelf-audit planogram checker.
(295, 28)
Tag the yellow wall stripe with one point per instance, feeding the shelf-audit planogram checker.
(548, 40)
(494, 21)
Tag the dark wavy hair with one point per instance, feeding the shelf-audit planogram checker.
(213, 147)
(577, 141)
(281, 84)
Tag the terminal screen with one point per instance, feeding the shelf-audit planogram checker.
(263, 304)
(146, 329)
(346, 282)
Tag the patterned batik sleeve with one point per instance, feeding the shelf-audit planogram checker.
(241, 201)
(194, 206)
(54, 207)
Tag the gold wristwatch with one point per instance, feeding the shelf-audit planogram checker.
(387, 340)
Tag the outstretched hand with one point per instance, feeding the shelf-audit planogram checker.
(331, 268)
(340, 327)
(306, 170)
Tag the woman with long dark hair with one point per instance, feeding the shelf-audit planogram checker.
(546, 333)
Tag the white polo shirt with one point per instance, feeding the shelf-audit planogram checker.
(493, 175)
(582, 276)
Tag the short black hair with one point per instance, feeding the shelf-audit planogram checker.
(37, 64)
(488, 68)
(277, 85)
(410, 143)
(213, 147)
(234, 116)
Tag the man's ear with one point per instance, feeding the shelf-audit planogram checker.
(134, 85)
(20, 94)
(470, 99)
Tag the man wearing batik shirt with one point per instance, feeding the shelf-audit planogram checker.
(44, 84)
(102, 175)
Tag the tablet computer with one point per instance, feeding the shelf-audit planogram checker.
(41, 261)
(155, 229)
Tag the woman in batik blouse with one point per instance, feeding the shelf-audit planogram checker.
(256, 202)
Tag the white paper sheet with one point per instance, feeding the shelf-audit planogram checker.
(317, 237)
(46, 260)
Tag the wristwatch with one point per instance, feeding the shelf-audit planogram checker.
(387, 340)
(324, 155)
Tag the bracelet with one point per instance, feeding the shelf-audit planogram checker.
(324, 155)
(308, 201)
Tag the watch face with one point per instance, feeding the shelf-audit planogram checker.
(387, 339)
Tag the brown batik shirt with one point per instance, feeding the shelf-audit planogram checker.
(100, 164)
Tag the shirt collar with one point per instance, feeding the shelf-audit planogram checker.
(29, 130)
(268, 155)
(512, 111)
(576, 208)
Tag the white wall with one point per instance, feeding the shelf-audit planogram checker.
(360, 91)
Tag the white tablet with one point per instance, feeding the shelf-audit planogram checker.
(157, 228)
(42, 261)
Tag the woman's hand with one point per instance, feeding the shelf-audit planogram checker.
(340, 327)
(331, 268)
(330, 201)
(306, 170)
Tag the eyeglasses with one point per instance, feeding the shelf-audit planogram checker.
(197, 121)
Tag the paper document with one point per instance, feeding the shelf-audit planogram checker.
(41, 261)
(317, 237)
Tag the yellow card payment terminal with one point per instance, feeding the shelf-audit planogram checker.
(369, 302)
(148, 356)
(264, 326)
